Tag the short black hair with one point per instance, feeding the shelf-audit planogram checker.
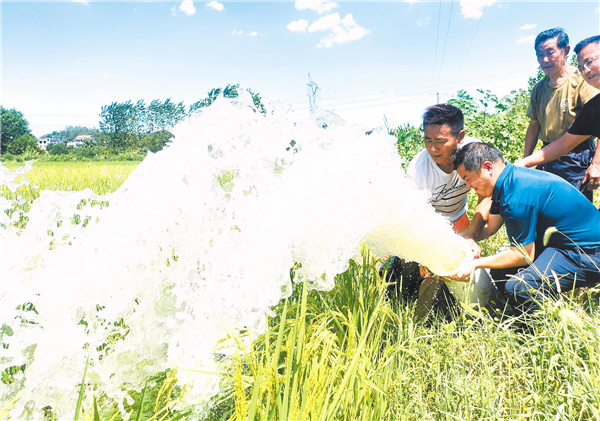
(582, 44)
(559, 33)
(474, 154)
(441, 114)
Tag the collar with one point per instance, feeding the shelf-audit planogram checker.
(498, 187)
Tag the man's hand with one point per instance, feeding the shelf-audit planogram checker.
(593, 175)
(520, 163)
(465, 270)
(475, 252)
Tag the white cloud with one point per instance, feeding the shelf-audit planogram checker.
(298, 25)
(326, 22)
(216, 5)
(528, 38)
(187, 7)
(474, 8)
(86, 2)
(528, 26)
(423, 22)
(346, 30)
(412, 1)
(240, 32)
(320, 6)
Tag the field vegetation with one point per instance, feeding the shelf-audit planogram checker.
(357, 352)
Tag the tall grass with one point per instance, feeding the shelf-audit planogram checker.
(355, 354)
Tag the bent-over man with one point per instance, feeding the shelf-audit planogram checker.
(538, 210)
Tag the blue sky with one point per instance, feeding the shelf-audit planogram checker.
(62, 61)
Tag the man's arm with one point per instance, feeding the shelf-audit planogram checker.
(493, 225)
(553, 151)
(484, 224)
(531, 137)
(512, 257)
(593, 172)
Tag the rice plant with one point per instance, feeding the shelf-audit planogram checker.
(101, 177)
(354, 354)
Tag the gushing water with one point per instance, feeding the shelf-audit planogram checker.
(199, 239)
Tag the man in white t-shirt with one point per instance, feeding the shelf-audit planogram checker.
(432, 169)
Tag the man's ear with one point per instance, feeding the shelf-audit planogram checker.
(488, 166)
(567, 49)
(461, 136)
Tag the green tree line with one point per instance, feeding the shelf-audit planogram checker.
(135, 128)
(129, 129)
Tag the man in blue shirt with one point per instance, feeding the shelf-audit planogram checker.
(547, 220)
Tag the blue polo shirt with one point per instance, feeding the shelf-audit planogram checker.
(531, 201)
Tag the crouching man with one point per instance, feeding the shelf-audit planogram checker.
(547, 220)
(432, 170)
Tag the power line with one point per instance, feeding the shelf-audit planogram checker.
(436, 43)
(406, 95)
(445, 42)
(469, 47)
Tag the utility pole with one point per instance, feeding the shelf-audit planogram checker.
(313, 91)
(437, 96)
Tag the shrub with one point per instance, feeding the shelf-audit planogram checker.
(410, 141)
(22, 144)
(59, 148)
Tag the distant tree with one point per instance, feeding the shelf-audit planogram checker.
(71, 132)
(160, 116)
(129, 126)
(230, 91)
(24, 143)
(155, 142)
(12, 125)
(120, 123)
(58, 148)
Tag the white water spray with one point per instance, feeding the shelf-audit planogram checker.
(199, 239)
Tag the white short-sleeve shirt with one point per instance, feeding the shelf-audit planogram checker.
(448, 191)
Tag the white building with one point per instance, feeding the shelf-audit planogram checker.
(44, 142)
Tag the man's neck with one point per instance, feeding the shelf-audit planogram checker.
(447, 168)
(499, 167)
(559, 76)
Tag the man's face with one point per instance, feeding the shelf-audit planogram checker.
(589, 63)
(480, 181)
(551, 58)
(441, 144)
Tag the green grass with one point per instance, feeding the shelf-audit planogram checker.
(354, 354)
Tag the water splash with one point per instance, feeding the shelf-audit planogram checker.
(200, 238)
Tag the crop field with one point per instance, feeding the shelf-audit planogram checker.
(357, 352)
(100, 176)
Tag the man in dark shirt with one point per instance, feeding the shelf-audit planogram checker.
(586, 124)
(537, 208)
